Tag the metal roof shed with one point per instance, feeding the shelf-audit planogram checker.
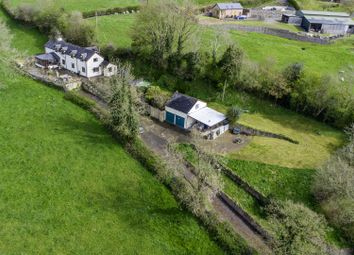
(208, 116)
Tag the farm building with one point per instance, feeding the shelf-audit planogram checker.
(323, 22)
(82, 61)
(226, 10)
(291, 19)
(187, 112)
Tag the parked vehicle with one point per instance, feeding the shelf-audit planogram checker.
(242, 17)
(236, 131)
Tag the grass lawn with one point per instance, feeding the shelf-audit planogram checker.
(316, 140)
(315, 57)
(26, 39)
(68, 187)
(115, 29)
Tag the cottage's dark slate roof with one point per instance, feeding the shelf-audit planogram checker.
(229, 6)
(181, 102)
(71, 49)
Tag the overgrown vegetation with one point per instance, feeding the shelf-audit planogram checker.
(71, 25)
(334, 188)
(297, 229)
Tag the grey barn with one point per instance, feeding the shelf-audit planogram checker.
(323, 22)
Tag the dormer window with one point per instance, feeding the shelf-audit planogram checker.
(73, 53)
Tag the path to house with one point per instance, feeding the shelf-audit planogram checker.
(157, 137)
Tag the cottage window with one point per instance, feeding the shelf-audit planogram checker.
(95, 59)
(83, 70)
(110, 69)
(72, 65)
(63, 61)
(96, 70)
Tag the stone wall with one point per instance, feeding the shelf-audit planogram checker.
(281, 33)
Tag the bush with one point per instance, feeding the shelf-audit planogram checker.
(234, 114)
(334, 189)
(298, 230)
(294, 4)
(156, 97)
(49, 20)
(110, 11)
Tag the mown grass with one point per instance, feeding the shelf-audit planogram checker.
(323, 59)
(115, 29)
(68, 187)
(26, 39)
(316, 140)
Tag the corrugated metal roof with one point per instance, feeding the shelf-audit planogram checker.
(229, 6)
(208, 116)
(329, 20)
(323, 13)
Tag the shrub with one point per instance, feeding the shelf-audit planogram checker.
(334, 188)
(298, 230)
(156, 97)
(234, 114)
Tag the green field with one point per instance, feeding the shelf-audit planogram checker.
(66, 185)
(320, 5)
(82, 5)
(89, 5)
(115, 29)
(261, 48)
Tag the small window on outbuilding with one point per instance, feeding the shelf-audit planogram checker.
(110, 69)
(95, 59)
(63, 61)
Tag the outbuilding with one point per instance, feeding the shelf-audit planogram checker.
(326, 22)
(187, 112)
(227, 10)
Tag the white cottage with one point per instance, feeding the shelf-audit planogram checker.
(84, 61)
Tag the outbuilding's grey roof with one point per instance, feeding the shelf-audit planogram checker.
(323, 13)
(229, 6)
(181, 102)
(329, 20)
(50, 57)
(71, 49)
